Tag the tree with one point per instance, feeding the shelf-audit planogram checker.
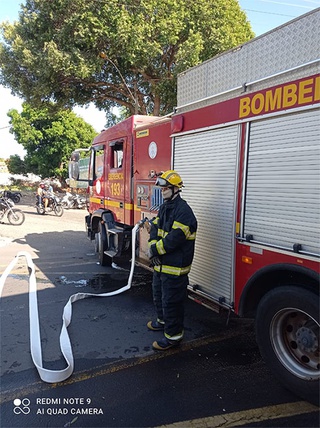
(16, 165)
(123, 53)
(49, 136)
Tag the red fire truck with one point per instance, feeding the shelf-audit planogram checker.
(249, 156)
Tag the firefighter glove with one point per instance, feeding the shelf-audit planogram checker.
(155, 261)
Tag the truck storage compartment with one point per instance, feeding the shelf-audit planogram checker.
(283, 185)
(207, 162)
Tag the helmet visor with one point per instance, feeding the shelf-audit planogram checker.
(162, 182)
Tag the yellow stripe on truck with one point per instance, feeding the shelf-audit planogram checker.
(115, 204)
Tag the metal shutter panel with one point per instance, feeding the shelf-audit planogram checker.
(207, 164)
(283, 184)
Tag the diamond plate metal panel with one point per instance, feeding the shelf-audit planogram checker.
(281, 49)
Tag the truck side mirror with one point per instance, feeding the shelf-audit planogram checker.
(74, 170)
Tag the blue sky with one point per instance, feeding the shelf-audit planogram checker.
(264, 15)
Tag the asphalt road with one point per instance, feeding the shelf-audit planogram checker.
(215, 378)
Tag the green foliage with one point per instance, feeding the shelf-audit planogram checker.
(16, 165)
(114, 52)
(49, 136)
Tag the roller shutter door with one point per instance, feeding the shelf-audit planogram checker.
(207, 164)
(283, 182)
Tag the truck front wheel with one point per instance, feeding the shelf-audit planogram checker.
(101, 245)
(287, 332)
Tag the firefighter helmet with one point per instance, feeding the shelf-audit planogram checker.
(169, 178)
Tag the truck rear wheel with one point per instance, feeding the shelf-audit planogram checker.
(287, 332)
(101, 245)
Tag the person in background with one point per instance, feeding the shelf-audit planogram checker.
(47, 193)
(40, 193)
(171, 250)
(48, 187)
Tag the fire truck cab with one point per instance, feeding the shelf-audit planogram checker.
(124, 162)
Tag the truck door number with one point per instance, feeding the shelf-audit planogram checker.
(115, 189)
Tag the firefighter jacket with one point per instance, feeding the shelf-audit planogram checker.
(172, 237)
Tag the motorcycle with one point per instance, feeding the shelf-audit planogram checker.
(67, 200)
(14, 215)
(14, 196)
(73, 201)
(79, 202)
(54, 205)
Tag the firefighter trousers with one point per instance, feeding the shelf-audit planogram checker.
(169, 294)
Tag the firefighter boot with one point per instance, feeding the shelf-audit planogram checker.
(156, 325)
(164, 344)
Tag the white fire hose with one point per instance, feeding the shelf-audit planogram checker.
(53, 376)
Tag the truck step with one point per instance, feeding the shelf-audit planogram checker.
(111, 253)
(204, 301)
(115, 231)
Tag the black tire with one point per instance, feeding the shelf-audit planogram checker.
(58, 210)
(40, 209)
(287, 332)
(102, 245)
(16, 217)
(16, 198)
(96, 242)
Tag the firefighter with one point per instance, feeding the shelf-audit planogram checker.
(171, 249)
